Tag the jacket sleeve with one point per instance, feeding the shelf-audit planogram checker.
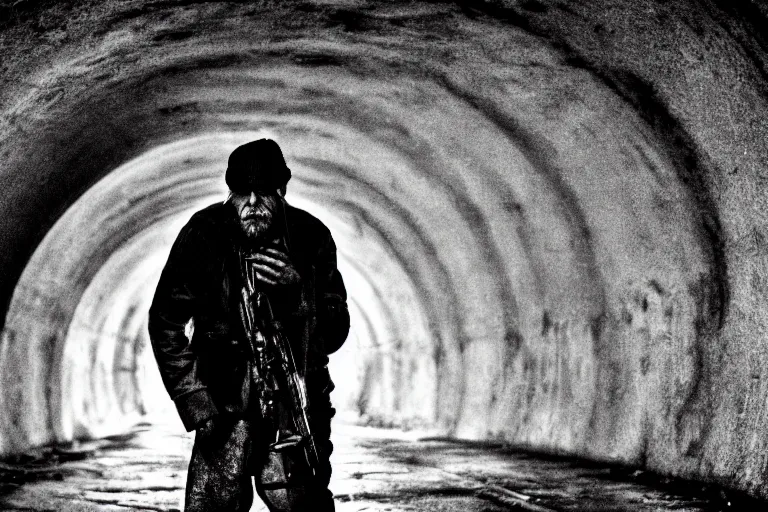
(332, 312)
(177, 296)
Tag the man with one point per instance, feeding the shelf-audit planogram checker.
(211, 378)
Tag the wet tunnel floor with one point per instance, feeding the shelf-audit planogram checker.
(374, 470)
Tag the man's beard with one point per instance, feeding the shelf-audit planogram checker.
(254, 225)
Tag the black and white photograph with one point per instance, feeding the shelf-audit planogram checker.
(383, 255)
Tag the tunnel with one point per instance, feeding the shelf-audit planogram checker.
(550, 215)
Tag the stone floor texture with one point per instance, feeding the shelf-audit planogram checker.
(374, 470)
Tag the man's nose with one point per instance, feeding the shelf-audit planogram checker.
(253, 199)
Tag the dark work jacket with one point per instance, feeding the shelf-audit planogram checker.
(202, 281)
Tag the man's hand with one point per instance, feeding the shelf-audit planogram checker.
(272, 266)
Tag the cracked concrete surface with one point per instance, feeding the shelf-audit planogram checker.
(374, 470)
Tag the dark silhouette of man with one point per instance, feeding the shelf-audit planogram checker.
(212, 376)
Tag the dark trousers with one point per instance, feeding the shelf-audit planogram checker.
(224, 461)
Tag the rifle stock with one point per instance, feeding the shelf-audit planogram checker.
(298, 401)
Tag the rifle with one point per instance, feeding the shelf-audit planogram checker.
(274, 367)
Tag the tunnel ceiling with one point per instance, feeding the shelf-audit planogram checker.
(551, 215)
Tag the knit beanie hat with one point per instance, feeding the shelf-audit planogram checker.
(257, 166)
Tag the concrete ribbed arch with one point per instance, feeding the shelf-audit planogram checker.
(394, 310)
(88, 402)
(415, 251)
(546, 180)
(89, 260)
(431, 170)
(104, 351)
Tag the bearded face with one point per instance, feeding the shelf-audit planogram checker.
(256, 212)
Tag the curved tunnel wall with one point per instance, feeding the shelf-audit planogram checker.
(555, 211)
